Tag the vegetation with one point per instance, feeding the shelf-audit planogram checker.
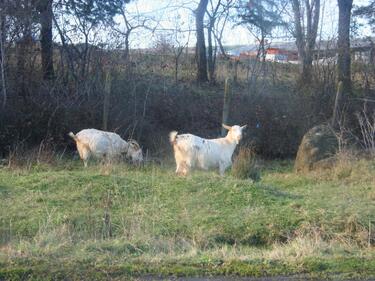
(106, 221)
(59, 221)
(245, 165)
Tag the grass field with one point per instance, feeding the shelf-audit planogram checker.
(65, 222)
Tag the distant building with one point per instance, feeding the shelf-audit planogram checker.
(362, 51)
(281, 55)
(325, 52)
(285, 52)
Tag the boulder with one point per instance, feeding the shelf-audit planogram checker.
(318, 146)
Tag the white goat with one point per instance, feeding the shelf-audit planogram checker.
(104, 145)
(192, 151)
(135, 152)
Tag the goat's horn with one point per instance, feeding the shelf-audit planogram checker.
(227, 127)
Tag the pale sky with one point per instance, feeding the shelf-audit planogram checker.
(169, 14)
(166, 16)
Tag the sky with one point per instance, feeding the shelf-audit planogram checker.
(164, 16)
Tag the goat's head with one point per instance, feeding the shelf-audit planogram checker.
(234, 132)
(134, 152)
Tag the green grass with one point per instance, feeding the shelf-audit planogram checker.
(104, 222)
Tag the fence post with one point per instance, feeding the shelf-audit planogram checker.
(226, 106)
(336, 106)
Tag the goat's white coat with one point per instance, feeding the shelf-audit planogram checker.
(191, 151)
(101, 144)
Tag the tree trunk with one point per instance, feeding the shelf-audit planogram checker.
(2, 59)
(127, 48)
(226, 106)
(336, 112)
(211, 55)
(221, 47)
(343, 46)
(306, 67)
(201, 47)
(22, 49)
(66, 49)
(305, 41)
(46, 16)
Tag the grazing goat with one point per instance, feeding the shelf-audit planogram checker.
(104, 145)
(135, 152)
(192, 151)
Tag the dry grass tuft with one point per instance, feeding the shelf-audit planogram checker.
(245, 165)
(22, 157)
(344, 164)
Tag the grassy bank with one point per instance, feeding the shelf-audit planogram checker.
(104, 222)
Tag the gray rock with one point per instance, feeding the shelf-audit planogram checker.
(318, 146)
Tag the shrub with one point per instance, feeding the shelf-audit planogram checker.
(20, 156)
(245, 165)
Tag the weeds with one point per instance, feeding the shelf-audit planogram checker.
(43, 154)
(245, 165)
(367, 125)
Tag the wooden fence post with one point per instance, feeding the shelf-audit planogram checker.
(226, 106)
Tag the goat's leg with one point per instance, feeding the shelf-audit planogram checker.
(178, 167)
(84, 153)
(182, 169)
(223, 166)
(187, 168)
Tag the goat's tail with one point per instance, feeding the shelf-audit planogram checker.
(172, 137)
(73, 136)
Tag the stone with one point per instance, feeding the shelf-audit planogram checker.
(318, 144)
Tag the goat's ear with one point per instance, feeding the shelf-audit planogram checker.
(243, 127)
(133, 144)
(227, 127)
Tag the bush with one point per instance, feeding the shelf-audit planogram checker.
(20, 156)
(245, 165)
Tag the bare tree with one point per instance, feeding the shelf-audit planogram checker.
(201, 45)
(180, 41)
(343, 45)
(306, 20)
(65, 51)
(83, 21)
(74, 27)
(218, 14)
(131, 23)
(46, 15)
(212, 15)
(22, 25)
(220, 24)
(261, 17)
(2, 55)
